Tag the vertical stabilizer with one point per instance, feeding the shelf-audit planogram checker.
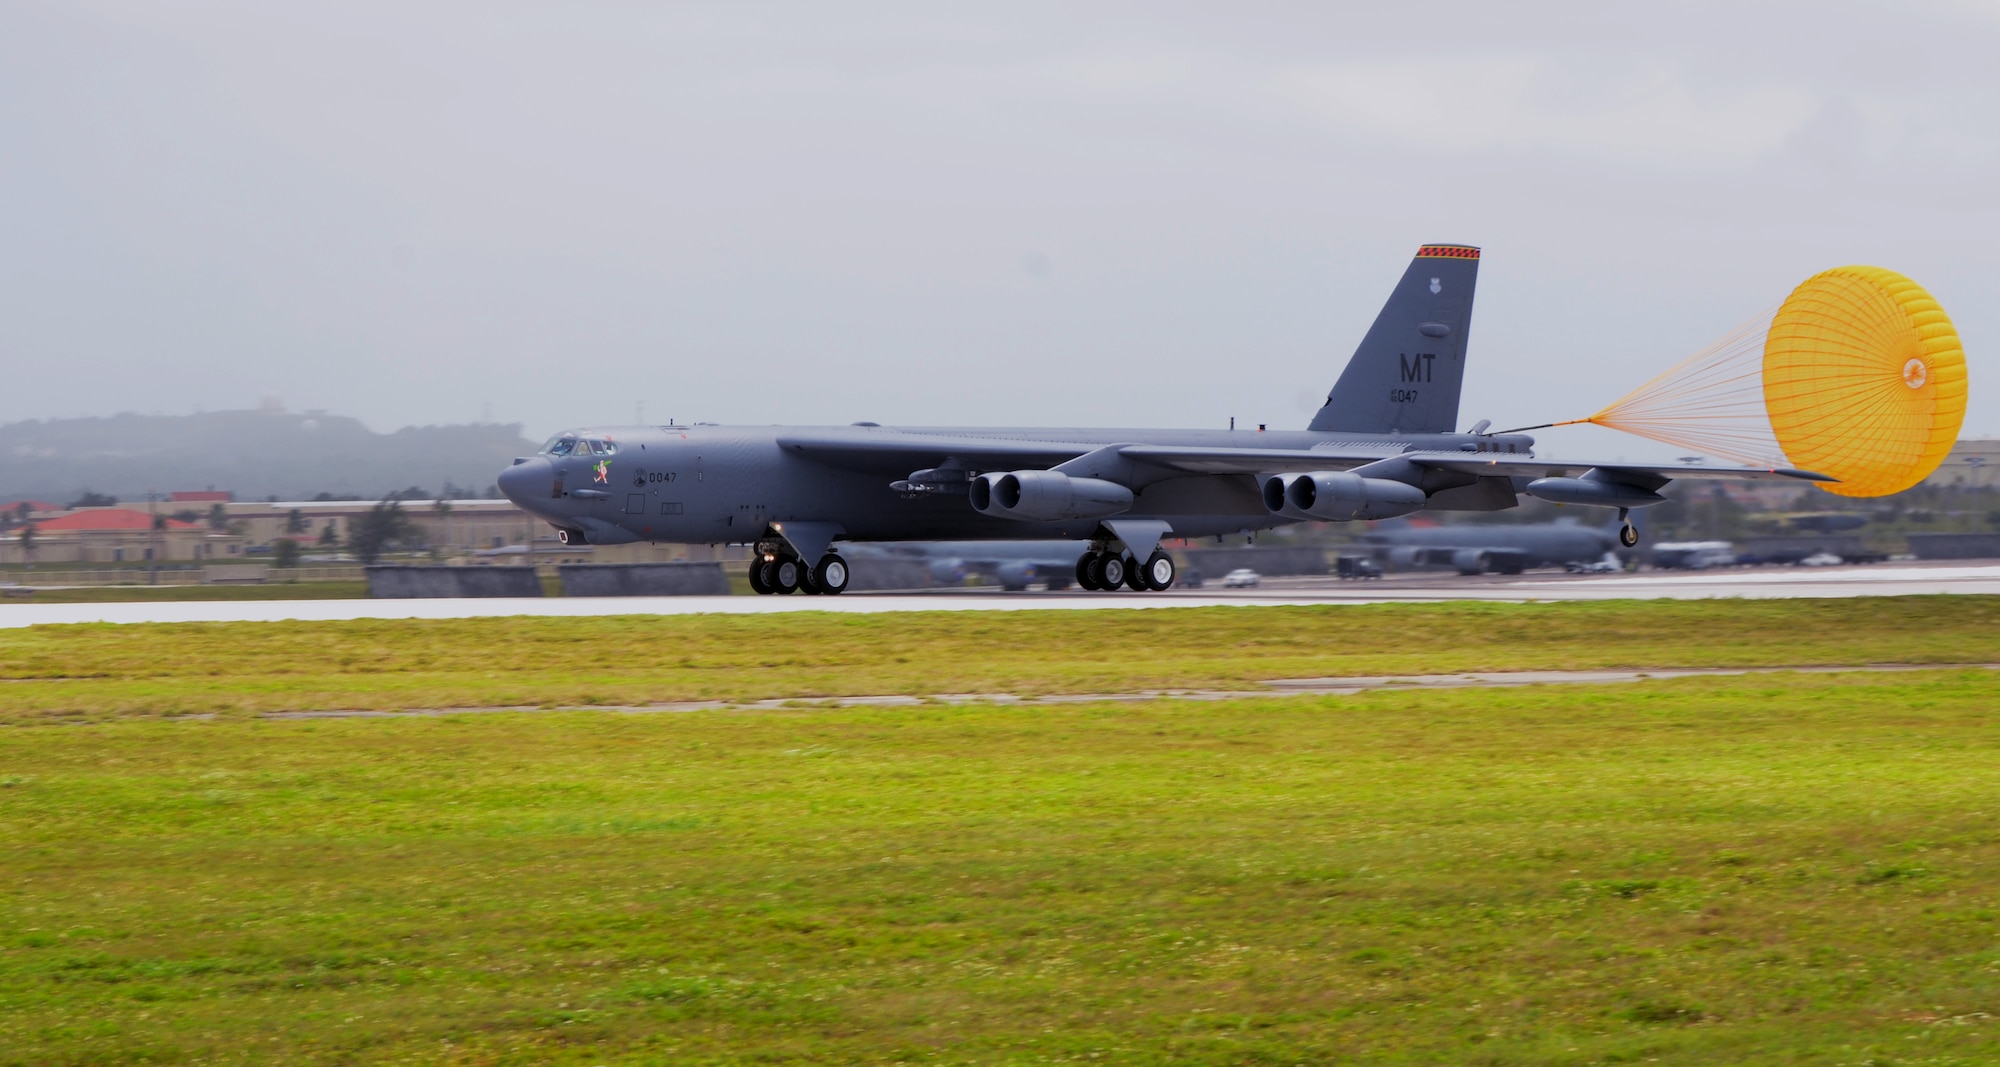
(1405, 376)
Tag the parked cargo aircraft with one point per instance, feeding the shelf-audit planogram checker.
(1012, 565)
(1479, 548)
(1383, 445)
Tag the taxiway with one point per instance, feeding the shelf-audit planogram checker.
(1877, 580)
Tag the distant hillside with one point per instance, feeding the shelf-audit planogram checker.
(253, 453)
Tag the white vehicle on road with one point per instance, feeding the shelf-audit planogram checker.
(1241, 578)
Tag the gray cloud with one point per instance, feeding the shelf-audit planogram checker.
(827, 213)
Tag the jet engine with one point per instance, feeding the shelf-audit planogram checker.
(1047, 496)
(1340, 495)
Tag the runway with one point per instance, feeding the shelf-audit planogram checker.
(1763, 583)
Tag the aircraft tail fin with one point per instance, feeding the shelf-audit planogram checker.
(1405, 376)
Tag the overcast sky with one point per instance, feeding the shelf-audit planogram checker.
(1147, 214)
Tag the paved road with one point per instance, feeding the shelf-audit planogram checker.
(1879, 580)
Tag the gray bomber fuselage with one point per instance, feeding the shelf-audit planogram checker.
(719, 484)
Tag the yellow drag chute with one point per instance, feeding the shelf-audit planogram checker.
(1864, 379)
(1858, 375)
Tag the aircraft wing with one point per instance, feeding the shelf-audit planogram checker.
(1522, 467)
(1485, 464)
(898, 451)
(1256, 460)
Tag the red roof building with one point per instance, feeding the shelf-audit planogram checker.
(114, 535)
(98, 519)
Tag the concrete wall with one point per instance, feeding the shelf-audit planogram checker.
(643, 579)
(396, 582)
(1213, 563)
(1955, 546)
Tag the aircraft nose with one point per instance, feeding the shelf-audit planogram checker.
(528, 479)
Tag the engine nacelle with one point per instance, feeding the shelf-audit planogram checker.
(1277, 490)
(1341, 495)
(1594, 488)
(1047, 496)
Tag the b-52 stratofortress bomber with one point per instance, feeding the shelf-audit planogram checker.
(1384, 445)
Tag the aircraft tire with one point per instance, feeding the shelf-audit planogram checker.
(784, 577)
(1086, 572)
(1628, 535)
(1159, 572)
(1110, 571)
(757, 583)
(1135, 577)
(830, 577)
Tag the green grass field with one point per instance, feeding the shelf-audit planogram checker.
(1783, 869)
(94, 672)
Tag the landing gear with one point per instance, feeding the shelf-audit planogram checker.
(1628, 534)
(1105, 572)
(778, 571)
(783, 575)
(1110, 571)
(1135, 577)
(830, 577)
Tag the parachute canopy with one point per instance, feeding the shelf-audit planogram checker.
(1864, 379)
(1858, 375)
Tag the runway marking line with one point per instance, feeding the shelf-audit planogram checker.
(1279, 687)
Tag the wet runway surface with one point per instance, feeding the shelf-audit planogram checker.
(1775, 582)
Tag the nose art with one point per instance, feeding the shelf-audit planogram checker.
(528, 479)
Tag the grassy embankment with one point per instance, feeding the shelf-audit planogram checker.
(124, 594)
(1781, 869)
(94, 672)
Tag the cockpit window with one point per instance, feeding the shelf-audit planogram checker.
(604, 448)
(561, 445)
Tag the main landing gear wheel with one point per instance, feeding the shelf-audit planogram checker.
(1110, 571)
(784, 575)
(830, 577)
(1159, 572)
(1628, 535)
(1093, 573)
(1084, 580)
(757, 583)
(1135, 577)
